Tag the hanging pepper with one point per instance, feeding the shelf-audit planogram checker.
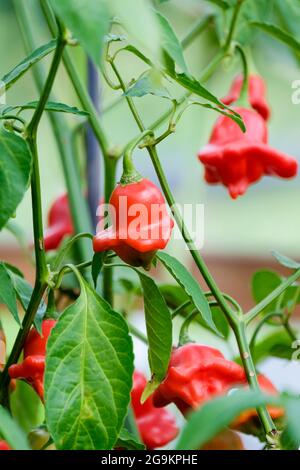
(257, 94)
(140, 226)
(157, 427)
(4, 446)
(59, 223)
(199, 373)
(32, 368)
(238, 159)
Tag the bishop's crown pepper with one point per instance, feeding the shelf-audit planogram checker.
(198, 373)
(257, 94)
(32, 368)
(140, 226)
(157, 427)
(237, 160)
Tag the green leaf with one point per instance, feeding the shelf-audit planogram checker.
(173, 294)
(11, 432)
(221, 3)
(97, 264)
(89, 22)
(133, 50)
(32, 414)
(88, 376)
(263, 283)
(7, 293)
(139, 20)
(159, 332)
(279, 34)
(289, 12)
(214, 416)
(15, 169)
(285, 260)
(149, 83)
(190, 285)
(275, 344)
(234, 116)
(171, 43)
(26, 63)
(128, 441)
(193, 85)
(24, 292)
(49, 106)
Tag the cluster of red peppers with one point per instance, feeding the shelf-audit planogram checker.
(236, 159)
(199, 373)
(157, 427)
(33, 366)
(4, 446)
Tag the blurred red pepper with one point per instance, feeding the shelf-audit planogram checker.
(238, 159)
(141, 224)
(225, 440)
(199, 373)
(32, 368)
(4, 446)
(157, 427)
(257, 94)
(59, 223)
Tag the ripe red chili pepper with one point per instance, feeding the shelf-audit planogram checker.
(32, 368)
(199, 373)
(157, 427)
(238, 159)
(257, 94)
(59, 223)
(4, 446)
(141, 224)
(196, 374)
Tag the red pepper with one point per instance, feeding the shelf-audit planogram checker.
(257, 94)
(59, 223)
(199, 373)
(196, 374)
(33, 366)
(4, 446)
(238, 159)
(141, 225)
(157, 427)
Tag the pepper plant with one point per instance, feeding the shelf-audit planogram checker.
(73, 346)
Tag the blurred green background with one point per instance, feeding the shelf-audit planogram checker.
(265, 218)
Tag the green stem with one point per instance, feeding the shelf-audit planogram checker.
(243, 98)
(255, 311)
(245, 353)
(233, 24)
(80, 89)
(41, 267)
(87, 104)
(197, 28)
(261, 324)
(61, 132)
(179, 309)
(137, 333)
